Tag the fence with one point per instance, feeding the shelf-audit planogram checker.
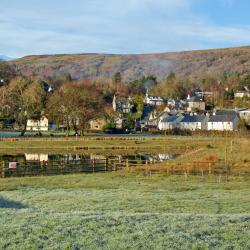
(46, 168)
(36, 168)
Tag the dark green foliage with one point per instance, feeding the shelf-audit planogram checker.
(128, 123)
(229, 95)
(117, 77)
(139, 87)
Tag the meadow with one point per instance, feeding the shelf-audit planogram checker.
(118, 211)
(230, 151)
(121, 210)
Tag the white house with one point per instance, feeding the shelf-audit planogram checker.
(153, 100)
(245, 115)
(223, 122)
(38, 125)
(244, 92)
(170, 122)
(194, 122)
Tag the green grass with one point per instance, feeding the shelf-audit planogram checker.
(234, 150)
(117, 211)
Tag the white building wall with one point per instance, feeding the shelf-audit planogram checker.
(221, 126)
(191, 126)
(167, 125)
(41, 125)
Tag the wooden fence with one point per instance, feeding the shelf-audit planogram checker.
(37, 168)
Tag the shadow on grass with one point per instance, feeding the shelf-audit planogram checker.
(6, 203)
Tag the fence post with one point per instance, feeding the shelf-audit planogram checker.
(93, 165)
(127, 163)
(185, 174)
(106, 164)
(2, 169)
(209, 168)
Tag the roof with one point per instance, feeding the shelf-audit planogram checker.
(195, 99)
(226, 112)
(222, 118)
(146, 113)
(155, 98)
(193, 118)
(171, 118)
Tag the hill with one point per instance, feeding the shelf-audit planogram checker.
(103, 66)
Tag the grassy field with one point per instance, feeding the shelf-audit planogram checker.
(234, 150)
(117, 211)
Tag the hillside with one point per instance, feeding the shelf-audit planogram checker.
(103, 66)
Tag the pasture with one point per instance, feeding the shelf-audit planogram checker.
(124, 211)
(131, 209)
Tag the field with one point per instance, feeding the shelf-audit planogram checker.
(122, 210)
(231, 151)
(117, 211)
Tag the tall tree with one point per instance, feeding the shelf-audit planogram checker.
(24, 99)
(74, 105)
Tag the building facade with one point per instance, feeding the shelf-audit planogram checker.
(38, 125)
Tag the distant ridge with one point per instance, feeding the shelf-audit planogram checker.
(5, 58)
(94, 66)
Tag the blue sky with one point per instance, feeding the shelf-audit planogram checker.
(121, 26)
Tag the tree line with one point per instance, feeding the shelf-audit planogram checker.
(73, 103)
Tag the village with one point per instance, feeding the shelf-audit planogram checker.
(161, 115)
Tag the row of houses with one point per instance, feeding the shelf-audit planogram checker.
(219, 122)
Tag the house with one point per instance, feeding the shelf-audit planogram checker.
(170, 122)
(118, 123)
(194, 122)
(203, 93)
(244, 92)
(122, 104)
(153, 100)
(152, 120)
(97, 124)
(195, 103)
(223, 122)
(245, 115)
(38, 125)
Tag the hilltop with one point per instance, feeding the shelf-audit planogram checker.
(190, 64)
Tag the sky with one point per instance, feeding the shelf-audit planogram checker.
(121, 26)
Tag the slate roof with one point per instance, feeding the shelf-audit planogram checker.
(222, 118)
(195, 99)
(146, 113)
(226, 112)
(171, 118)
(193, 118)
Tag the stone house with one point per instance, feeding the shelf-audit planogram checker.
(196, 103)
